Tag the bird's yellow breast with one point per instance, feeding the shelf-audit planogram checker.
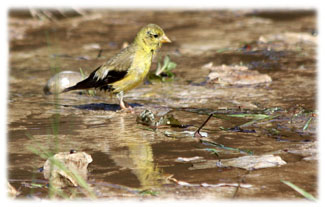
(136, 74)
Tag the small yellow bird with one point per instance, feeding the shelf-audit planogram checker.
(127, 69)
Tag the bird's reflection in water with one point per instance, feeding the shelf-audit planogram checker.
(134, 152)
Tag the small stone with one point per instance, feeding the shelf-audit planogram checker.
(62, 80)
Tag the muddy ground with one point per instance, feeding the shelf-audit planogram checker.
(132, 160)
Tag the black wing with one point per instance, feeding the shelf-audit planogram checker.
(113, 70)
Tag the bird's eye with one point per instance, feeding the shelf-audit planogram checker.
(156, 36)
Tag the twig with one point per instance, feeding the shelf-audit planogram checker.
(240, 181)
(197, 132)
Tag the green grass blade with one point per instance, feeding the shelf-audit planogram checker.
(253, 116)
(83, 76)
(226, 148)
(299, 190)
(307, 124)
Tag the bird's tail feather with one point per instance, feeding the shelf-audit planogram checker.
(85, 84)
(89, 82)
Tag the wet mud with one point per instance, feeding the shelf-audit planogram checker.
(134, 160)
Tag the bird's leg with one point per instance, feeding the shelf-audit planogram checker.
(120, 98)
(124, 106)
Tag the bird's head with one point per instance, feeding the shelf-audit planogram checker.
(151, 37)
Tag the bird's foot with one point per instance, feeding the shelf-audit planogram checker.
(127, 110)
(125, 107)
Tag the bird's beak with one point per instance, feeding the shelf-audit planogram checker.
(165, 39)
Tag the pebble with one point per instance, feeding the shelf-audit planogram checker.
(60, 81)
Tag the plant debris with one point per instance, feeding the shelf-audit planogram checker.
(163, 72)
(214, 144)
(189, 159)
(289, 38)
(148, 118)
(249, 162)
(66, 169)
(182, 183)
(235, 75)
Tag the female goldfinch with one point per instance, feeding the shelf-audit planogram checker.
(127, 69)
